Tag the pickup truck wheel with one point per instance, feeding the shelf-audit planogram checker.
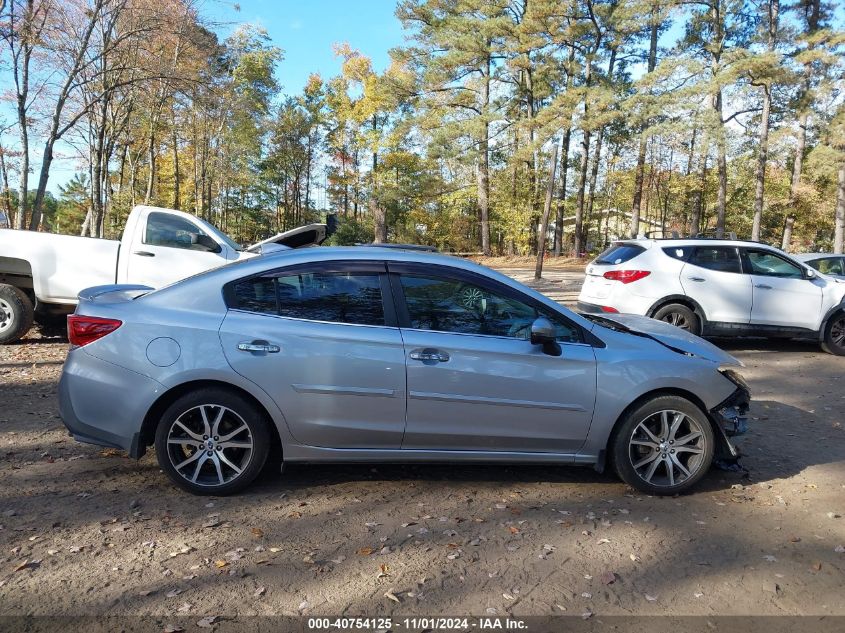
(16, 314)
(834, 335)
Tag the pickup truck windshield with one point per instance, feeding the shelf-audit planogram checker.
(229, 241)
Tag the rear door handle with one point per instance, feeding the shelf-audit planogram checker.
(259, 347)
(429, 354)
(144, 253)
(763, 286)
(696, 278)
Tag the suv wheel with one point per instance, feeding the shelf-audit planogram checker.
(664, 446)
(834, 335)
(16, 314)
(680, 316)
(212, 442)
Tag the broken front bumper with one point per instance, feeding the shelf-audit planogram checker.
(731, 418)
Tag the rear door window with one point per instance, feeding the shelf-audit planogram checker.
(336, 297)
(724, 259)
(619, 253)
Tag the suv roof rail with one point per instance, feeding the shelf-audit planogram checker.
(673, 235)
(713, 235)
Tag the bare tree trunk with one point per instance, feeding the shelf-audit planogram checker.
(176, 175)
(7, 194)
(773, 9)
(762, 159)
(840, 211)
(484, 162)
(547, 209)
(638, 179)
(561, 205)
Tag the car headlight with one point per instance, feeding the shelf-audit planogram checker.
(735, 377)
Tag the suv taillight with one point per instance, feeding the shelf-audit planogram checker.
(626, 276)
(82, 329)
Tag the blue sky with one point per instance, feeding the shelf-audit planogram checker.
(306, 31)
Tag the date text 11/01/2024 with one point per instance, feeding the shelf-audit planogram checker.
(417, 623)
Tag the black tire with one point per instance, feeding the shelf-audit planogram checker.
(178, 447)
(16, 314)
(680, 316)
(632, 458)
(834, 335)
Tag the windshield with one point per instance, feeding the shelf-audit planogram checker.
(228, 240)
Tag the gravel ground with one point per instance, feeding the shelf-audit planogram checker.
(85, 530)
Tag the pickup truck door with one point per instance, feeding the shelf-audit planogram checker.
(167, 248)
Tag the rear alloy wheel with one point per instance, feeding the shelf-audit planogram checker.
(16, 314)
(680, 316)
(663, 447)
(834, 335)
(212, 442)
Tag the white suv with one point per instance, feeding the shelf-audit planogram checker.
(717, 288)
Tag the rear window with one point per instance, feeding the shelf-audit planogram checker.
(619, 253)
(724, 259)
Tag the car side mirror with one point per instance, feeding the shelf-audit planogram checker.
(206, 242)
(543, 333)
(811, 274)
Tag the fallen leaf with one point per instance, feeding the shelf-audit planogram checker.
(207, 622)
(634, 557)
(817, 566)
(173, 593)
(259, 592)
(221, 563)
(365, 551)
(508, 596)
(28, 564)
(173, 628)
(608, 578)
(586, 615)
(794, 539)
(513, 530)
(650, 598)
(602, 541)
(257, 532)
(391, 596)
(839, 549)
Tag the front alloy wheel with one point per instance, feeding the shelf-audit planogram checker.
(834, 335)
(212, 442)
(664, 446)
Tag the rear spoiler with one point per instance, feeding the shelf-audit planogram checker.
(113, 293)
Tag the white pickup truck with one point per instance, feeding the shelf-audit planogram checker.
(41, 274)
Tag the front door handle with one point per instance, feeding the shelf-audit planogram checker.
(260, 347)
(696, 278)
(428, 354)
(763, 286)
(144, 253)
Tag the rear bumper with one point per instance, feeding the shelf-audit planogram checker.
(104, 404)
(589, 308)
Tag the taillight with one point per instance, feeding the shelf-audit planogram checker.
(626, 276)
(610, 309)
(82, 329)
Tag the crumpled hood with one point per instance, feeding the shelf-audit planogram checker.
(308, 235)
(673, 337)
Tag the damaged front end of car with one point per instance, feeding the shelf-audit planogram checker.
(730, 416)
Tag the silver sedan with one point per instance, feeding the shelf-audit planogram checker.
(389, 355)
